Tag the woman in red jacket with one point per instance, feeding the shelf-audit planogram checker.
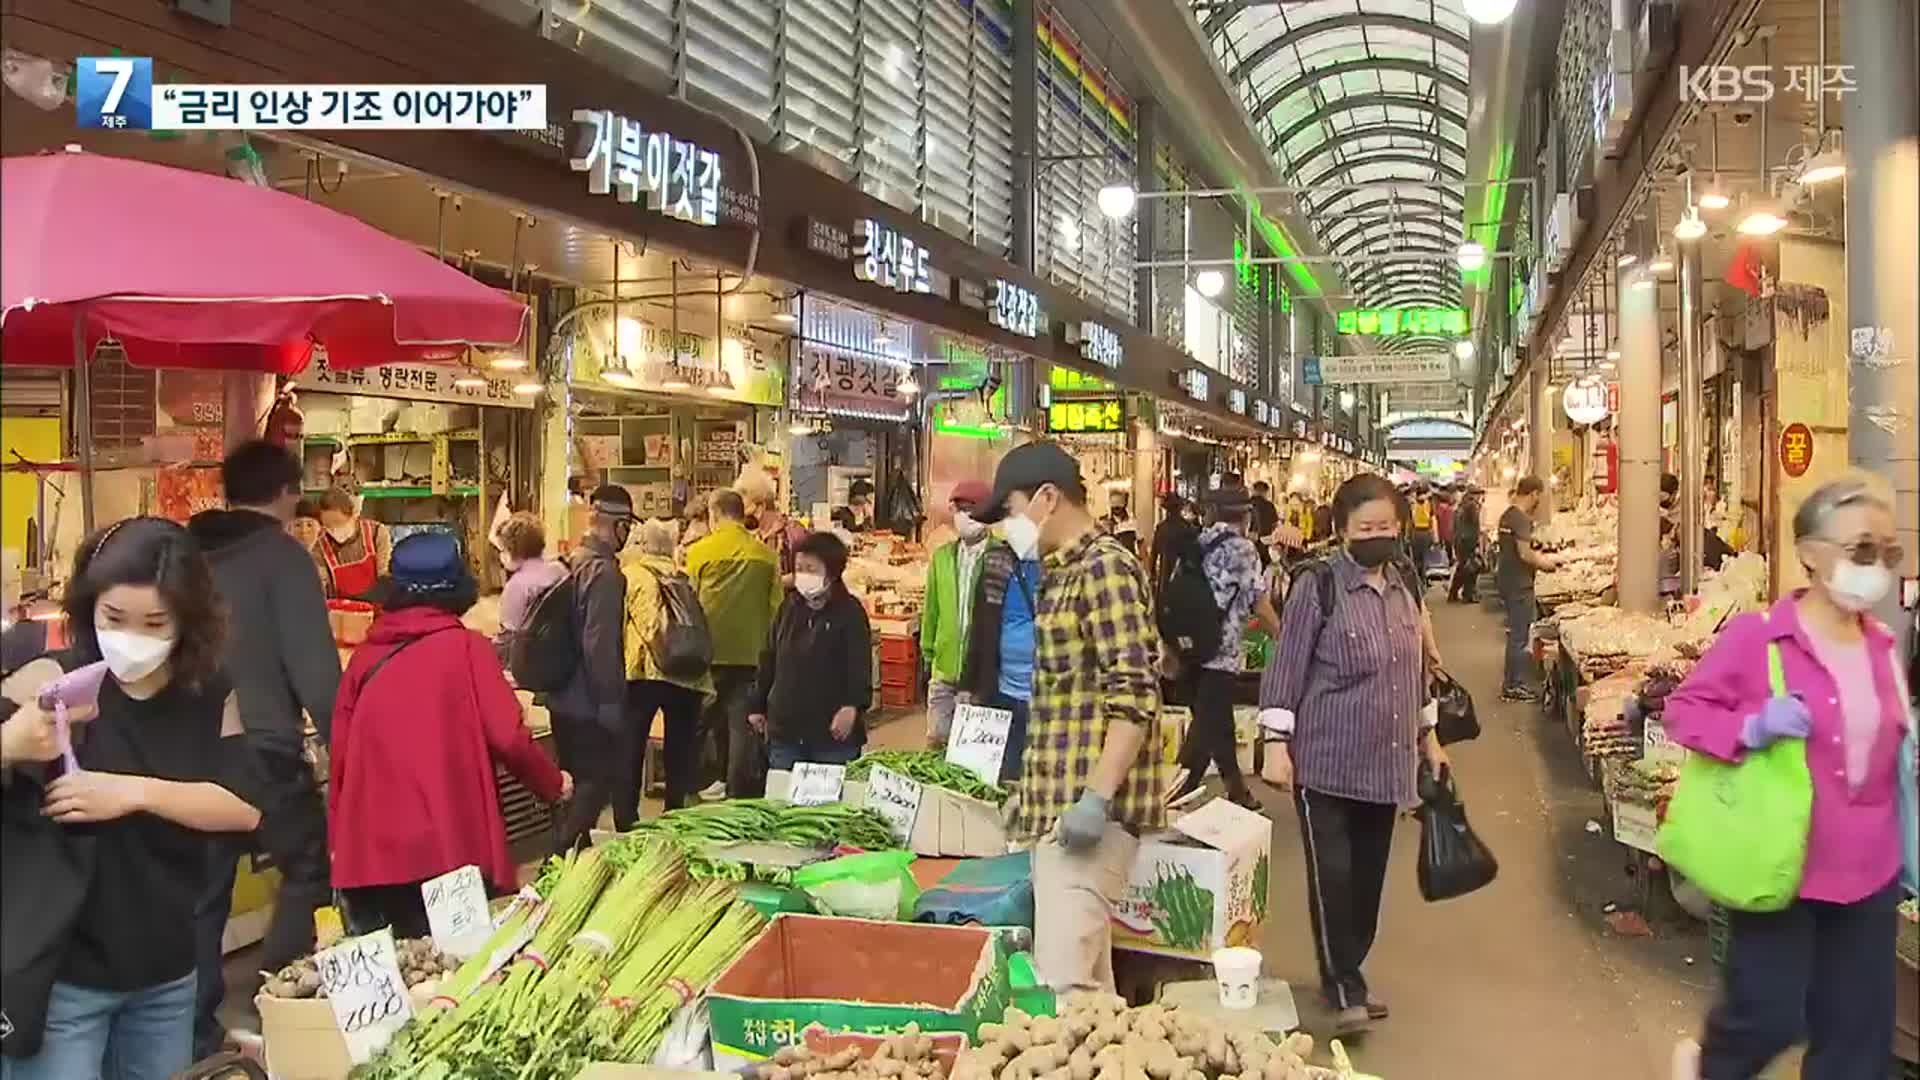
(424, 714)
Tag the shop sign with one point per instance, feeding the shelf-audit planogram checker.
(1299, 427)
(1237, 401)
(1194, 383)
(1585, 400)
(1394, 322)
(1014, 308)
(885, 256)
(826, 238)
(1086, 416)
(416, 382)
(679, 179)
(1069, 381)
(1099, 343)
(1310, 370)
(649, 354)
(840, 380)
(1387, 368)
(1259, 411)
(1796, 449)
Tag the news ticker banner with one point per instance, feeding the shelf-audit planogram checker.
(118, 92)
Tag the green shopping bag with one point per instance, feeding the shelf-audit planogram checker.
(1739, 830)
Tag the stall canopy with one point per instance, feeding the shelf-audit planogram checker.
(189, 269)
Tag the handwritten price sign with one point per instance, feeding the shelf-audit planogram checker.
(896, 798)
(457, 911)
(817, 783)
(361, 980)
(979, 742)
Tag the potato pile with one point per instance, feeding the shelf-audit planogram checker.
(419, 962)
(1097, 1037)
(907, 1056)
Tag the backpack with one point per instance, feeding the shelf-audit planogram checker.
(1322, 572)
(546, 651)
(682, 647)
(1190, 619)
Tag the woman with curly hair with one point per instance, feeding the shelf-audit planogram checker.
(100, 856)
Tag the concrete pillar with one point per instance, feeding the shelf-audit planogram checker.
(1146, 215)
(1026, 131)
(1691, 422)
(1883, 262)
(1638, 428)
(1540, 433)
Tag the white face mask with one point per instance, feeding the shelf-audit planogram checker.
(132, 657)
(343, 533)
(1858, 588)
(1023, 535)
(810, 585)
(969, 529)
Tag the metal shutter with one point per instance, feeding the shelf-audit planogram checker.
(814, 78)
(730, 56)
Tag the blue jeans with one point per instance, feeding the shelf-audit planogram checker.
(114, 1035)
(784, 754)
(1522, 610)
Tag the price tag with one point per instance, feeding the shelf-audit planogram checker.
(1637, 826)
(816, 783)
(457, 911)
(1657, 748)
(361, 980)
(979, 740)
(897, 798)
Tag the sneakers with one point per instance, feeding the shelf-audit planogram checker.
(1686, 1060)
(714, 792)
(1352, 1021)
(1520, 694)
(1245, 799)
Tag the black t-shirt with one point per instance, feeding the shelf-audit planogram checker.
(1511, 573)
(136, 925)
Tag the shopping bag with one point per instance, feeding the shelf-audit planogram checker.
(1738, 830)
(1453, 860)
(871, 885)
(1458, 721)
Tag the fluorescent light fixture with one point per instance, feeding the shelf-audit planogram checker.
(675, 381)
(1117, 200)
(1662, 262)
(1824, 166)
(1209, 283)
(508, 362)
(1762, 219)
(1489, 12)
(528, 389)
(1627, 258)
(1645, 281)
(1463, 349)
(786, 310)
(1715, 197)
(1471, 255)
(1690, 227)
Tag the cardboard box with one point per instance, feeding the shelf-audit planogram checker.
(949, 824)
(852, 975)
(1199, 886)
(302, 1040)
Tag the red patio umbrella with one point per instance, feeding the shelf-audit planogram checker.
(189, 269)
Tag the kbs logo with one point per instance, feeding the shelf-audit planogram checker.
(1723, 83)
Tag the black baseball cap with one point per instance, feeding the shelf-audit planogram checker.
(1228, 500)
(1026, 468)
(614, 501)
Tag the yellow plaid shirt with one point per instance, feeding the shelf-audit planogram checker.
(1095, 650)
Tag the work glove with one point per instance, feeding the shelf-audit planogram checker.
(1779, 718)
(1085, 822)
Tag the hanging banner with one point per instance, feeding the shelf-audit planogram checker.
(840, 380)
(1387, 368)
(735, 369)
(414, 382)
(1424, 397)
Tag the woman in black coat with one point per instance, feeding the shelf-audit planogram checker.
(816, 672)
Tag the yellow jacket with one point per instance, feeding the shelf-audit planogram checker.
(644, 613)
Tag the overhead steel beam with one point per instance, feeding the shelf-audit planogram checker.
(1370, 63)
(1300, 33)
(1379, 99)
(1375, 131)
(1446, 171)
(1383, 206)
(1220, 14)
(1371, 230)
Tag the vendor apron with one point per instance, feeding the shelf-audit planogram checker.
(355, 579)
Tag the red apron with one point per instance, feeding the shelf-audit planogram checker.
(353, 579)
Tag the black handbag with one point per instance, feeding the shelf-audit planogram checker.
(1453, 861)
(1458, 722)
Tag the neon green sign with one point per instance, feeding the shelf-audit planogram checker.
(1243, 268)
(946, 423)
(1390, 322)
(1073, 382)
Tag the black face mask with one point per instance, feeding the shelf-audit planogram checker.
(1374, 550)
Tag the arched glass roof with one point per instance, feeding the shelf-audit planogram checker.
(1359, 92)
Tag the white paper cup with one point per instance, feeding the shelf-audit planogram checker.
(1238, 972)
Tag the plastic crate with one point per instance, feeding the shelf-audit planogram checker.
(899, 650)
(895, 696)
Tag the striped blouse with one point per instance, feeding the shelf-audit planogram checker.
(1350, 687)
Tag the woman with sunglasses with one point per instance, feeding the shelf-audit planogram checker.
(1818, 972)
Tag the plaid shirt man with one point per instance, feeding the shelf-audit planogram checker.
(1094, 654)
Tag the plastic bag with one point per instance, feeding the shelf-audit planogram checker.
(1458, 721)
(871, 885)
(1738, 830)
(1453, 861)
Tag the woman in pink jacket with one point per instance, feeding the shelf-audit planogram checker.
(1822, 971)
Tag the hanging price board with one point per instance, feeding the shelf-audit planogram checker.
(979, 740)
(360, 978)
(816, 783)
(896, 798)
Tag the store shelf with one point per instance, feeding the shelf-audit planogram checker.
(393, 438)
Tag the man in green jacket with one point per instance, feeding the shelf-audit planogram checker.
(738, 579)
(952, 576)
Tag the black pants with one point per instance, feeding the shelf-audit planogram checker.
(1347, 843)
(742, 749)
(1422, 544)
(293, 831)
(1466, 573)
(680, 711)
(598, 759)
(401, 907)
(1210, 737)
(1816, 972)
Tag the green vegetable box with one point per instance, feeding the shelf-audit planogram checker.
(927, 819)
(1199, 886)
(853, 975)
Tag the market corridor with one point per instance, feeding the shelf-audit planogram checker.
(1523, 976)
